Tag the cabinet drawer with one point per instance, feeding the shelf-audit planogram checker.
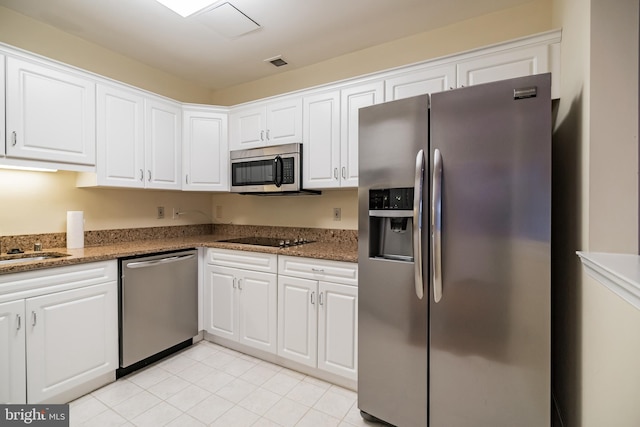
(241, 259)
(45, 281)
(309, 268)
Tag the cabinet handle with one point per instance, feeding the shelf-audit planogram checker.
(141, 175)
(261, 135)
(186, 178)
(14, 138)
(267, 134)
(19, 321)
(344, 172)
(320, 298)
(335, 173)
(149, 175)
(234, 283)
(240, 284)
(34, 318)
(312, 295)
(318, 270)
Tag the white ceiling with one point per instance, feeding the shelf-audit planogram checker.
(304, 32)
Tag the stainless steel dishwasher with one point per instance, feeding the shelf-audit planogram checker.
(158, 307)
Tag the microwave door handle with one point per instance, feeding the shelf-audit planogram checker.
(277, 164)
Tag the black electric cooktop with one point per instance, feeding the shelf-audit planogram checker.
(275, 242)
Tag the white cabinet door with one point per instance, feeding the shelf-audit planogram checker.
(120, 132)
(13, 385)
(220, 305)
(257, 309)
(241, 305)
(205, 151)
(50, 114)
(2, 116)
(321, 140)
(278, 122)
(72, 338)
(163, 146)
(284, 122)
(504, 65)
(354, 98)
(297, 319)
(248, 128)
(338, 329)
(420, 82)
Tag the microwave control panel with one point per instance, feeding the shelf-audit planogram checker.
(288, 172)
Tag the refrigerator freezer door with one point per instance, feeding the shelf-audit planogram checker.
(489, 362)
(392, 319)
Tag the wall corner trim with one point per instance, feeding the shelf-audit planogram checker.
(618, 272)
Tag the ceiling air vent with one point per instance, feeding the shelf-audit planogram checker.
(276, 61)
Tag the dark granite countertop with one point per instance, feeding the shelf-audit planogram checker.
(336, 251)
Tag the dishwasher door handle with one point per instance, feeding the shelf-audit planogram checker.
(143, 264)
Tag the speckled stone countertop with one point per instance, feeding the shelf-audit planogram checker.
(337, 249)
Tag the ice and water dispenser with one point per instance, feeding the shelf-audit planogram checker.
(391, 224)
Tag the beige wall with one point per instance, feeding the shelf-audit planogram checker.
(289, 211)
(596, 381)
(530, 18)
(26, 33)
(37, 202)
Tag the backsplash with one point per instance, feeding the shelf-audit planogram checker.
(315, 234)
(106, 237)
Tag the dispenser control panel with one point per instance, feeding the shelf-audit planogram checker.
(391, 198)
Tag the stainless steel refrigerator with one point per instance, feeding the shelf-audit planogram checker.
(454, 257)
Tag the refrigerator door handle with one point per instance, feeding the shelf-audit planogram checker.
(417, 224)
(436, 226)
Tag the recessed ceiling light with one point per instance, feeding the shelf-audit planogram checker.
(186, 8)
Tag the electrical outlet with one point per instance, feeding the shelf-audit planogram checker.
(337, 214)
(160, 212)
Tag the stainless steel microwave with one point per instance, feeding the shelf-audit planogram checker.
(272, 170)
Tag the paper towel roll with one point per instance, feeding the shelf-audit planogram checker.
(75, 229)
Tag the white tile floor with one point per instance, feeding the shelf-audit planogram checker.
(210, 385)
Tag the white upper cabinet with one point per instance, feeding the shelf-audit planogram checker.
(163, 144)
(352, 99)
(50, 113)
(330, 138)
(120, 137)
(139, 140)
(205, 150)
(2, 116)
(419, 82)
(278, 122)
(503, 65)
(321, 140)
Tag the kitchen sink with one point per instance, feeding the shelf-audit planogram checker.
(12, 259)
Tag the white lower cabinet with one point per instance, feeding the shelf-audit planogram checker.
(61, 335)
(241, 303)
(317, 318)
(338, 329)
(13, 383)
(298, 319)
